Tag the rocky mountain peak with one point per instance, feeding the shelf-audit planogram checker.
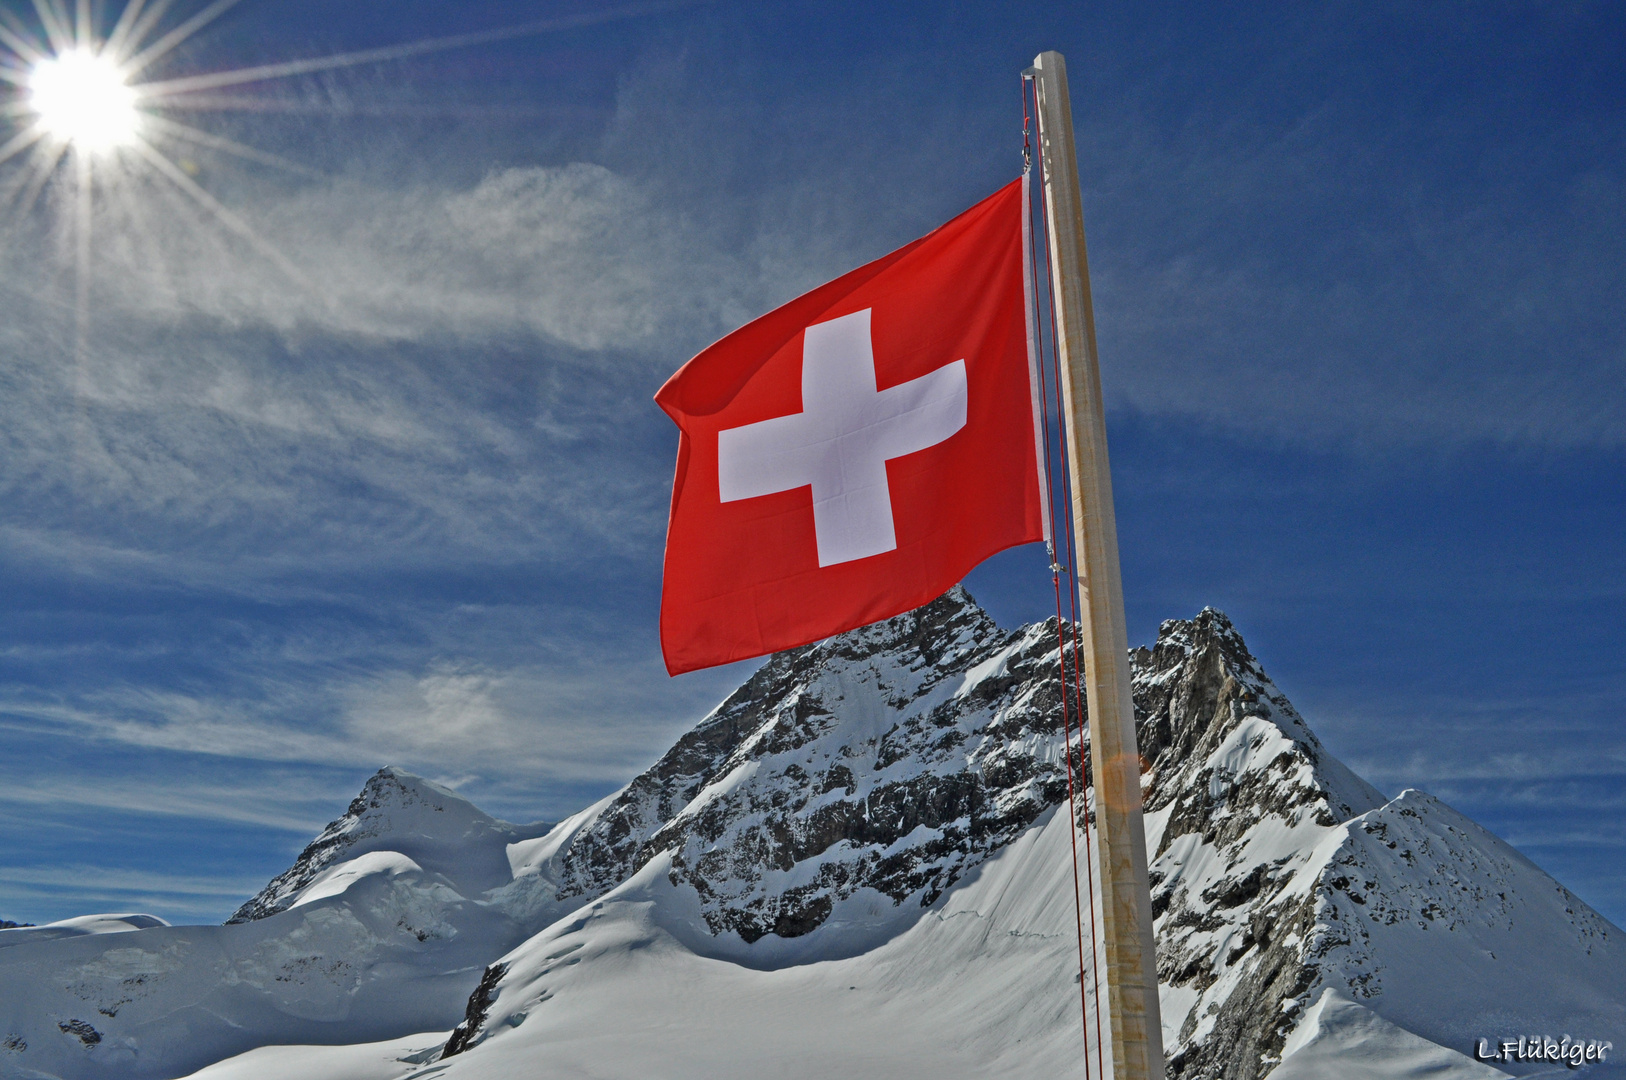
(847, 786)
(396, 810)
(895, 757)
(798, 792)
(1205, 711)
(1279, 876)
(854, 781)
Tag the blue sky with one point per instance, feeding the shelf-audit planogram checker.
(1358, 286)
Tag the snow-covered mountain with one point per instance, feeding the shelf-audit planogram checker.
(863, 774)
(1292, 897)
(1279, 878)
(381, 927)
(860, 862)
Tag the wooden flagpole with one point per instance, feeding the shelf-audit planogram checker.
(1135, 1027)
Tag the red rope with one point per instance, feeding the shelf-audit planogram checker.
(1078, 700)
(1072, 818)
(1061, 647)
(1070, 567)
(1079, 696)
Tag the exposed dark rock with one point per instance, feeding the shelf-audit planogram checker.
(466, 1034)
(82, 1031)
(791, 783)
(1228, 755)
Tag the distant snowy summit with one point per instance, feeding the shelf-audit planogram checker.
(861, 863)
(20, 933)
(382, 927)
(399, 823)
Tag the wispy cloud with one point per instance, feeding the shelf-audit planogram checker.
(179, 896)
(587, 720)
(219, 453)
(111, 882)
(459, 365)
(575, 255)
(452, 370)
(287, 802)
(1564, 754)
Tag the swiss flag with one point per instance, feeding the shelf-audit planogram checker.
(855, 453)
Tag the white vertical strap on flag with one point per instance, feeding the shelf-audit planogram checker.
(1033, 352)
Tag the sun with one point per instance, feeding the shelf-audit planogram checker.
(82, 98)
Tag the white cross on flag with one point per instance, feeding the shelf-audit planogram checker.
(855, 453)
(840, 442)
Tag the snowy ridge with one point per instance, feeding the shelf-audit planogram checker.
(632, 984)
(84, 925)
(1239, 798)
(1416, 898)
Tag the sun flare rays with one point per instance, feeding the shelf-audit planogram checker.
(79, 111)
(88, 109)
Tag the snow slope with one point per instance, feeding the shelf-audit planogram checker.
(1340, 1040)
(635, 985)
(861, 861)
(364, 1061)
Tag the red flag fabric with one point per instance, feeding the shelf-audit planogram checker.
(856, 452)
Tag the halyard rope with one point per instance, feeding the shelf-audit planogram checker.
(1057, 569)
